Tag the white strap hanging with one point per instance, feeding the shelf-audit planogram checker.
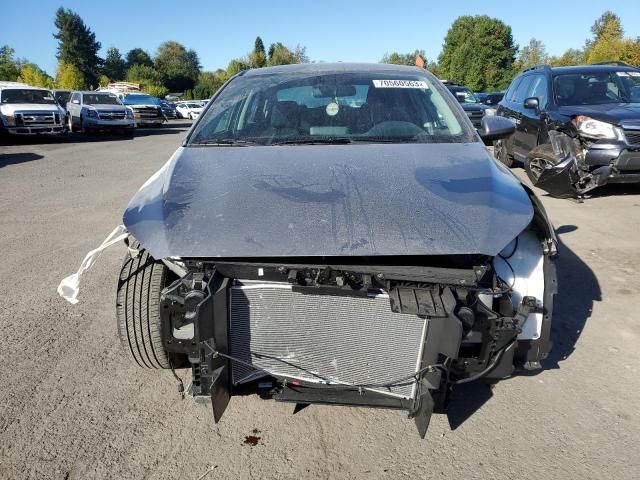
(70, 286)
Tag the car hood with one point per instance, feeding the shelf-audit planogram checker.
(614, 113)
(141, 105)
(108, 107)
(332, 200)
(9, 108)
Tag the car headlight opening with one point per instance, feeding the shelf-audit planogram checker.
(589, 127)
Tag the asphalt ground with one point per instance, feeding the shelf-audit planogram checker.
(73, 406)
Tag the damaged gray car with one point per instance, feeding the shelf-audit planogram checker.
(578, 128)
(337, 234)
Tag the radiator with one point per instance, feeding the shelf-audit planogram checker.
(345, 339)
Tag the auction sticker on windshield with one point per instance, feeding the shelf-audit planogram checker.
(400, 84)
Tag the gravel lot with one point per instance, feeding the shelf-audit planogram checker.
(72, 406)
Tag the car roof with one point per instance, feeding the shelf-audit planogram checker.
(335, 68)
(19, 86)
(583, 69)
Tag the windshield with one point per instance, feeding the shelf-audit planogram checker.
(14, 95)
(140, 100)
(597, 88)
(95, 99)
(289, 108)
(464, 95)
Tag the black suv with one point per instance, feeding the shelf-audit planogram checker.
(470, 104)
(577, 128)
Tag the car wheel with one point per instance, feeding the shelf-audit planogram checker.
(501, 152)
(539, 159)
(190, 116)
(138, 309)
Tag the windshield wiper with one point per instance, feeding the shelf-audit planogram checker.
(225, 142)
(314, 141)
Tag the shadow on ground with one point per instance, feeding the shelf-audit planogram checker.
(172, 127)
(578, 289)
(15, 158)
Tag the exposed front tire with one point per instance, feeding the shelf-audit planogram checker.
(501, 152)
(538, 160)
(138, 309)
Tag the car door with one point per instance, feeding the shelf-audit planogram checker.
(519, 138)
(531, 120)
(73, 107)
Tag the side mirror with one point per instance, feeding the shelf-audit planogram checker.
(495, 128)
(532, 103)
(77, 102)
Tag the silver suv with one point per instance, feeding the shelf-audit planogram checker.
(99, 111)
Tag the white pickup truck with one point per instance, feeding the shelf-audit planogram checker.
(27, 110)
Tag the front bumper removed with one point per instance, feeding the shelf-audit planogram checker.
(403, 359)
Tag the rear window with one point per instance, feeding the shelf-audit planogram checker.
(320, 107)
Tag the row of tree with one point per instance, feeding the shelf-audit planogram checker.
(478, 51)
(174, 68)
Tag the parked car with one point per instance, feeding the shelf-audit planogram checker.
(92, 111)
(577, 127)
(62, 97)
(470, 104)
(492, 99)
(311, 251)
(189, 110)
(26, 110)
(168, 109)
(147, 110)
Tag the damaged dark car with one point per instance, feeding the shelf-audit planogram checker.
(337, 234)
(578, 128)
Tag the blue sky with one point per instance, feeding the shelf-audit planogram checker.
(331, 30)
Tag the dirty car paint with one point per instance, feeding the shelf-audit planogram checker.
(333, 200)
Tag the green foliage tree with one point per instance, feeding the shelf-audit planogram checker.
(479, 52)
(281, 55)
(9, 67)
(178, 66)
(608, 24)
(144, 75)
(236, 66)
(149, 79)
(68, 76)
(138, 56)
(104, 81)
(114, 65)
(77, 45)
(403, 58)
(159, 91)
(608, 42)
(571, 57)
(258, 57)
(534, 53)
(32, 75)
(209, 83)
